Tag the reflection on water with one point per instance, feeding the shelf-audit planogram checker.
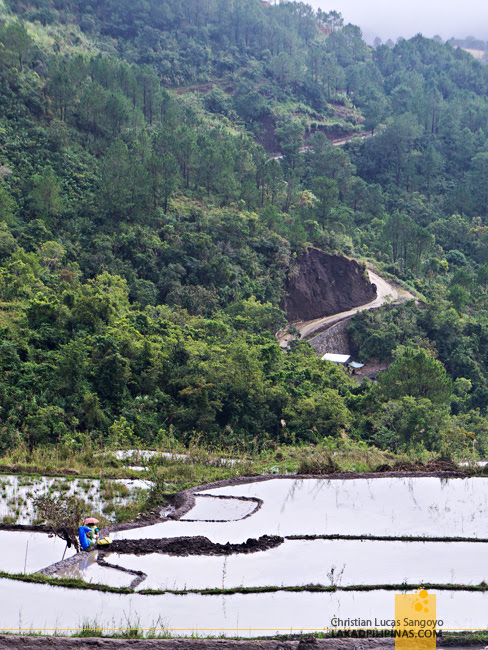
(89, 571)
(325, 562)
(27, 551)
(388, 506)
(80, 569)
(147, 456)
(210, 508)
(17, 494)
(49, 608)
(383, 506)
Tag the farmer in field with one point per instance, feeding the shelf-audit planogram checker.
(91, 522)
(88, 534)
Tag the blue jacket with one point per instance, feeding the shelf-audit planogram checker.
(84, 540)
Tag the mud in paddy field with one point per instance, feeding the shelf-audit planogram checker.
(30, 643)
(198, 545)
(7, 642)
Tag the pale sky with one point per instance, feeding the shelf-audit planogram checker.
(393, 18)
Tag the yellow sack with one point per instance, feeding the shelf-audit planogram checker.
(105, 541)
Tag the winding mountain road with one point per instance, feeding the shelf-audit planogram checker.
(335, 142)
(385, 292)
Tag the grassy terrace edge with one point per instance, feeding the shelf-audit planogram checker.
(76, 583)
(387, 538)
(331, 456)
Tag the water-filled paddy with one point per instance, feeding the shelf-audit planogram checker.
(18, 492)
(475, 463)
(325, 562)
(210, 508)
(429, 507)
(42, 607)
(385, 506)
(30, 551)
(147, 456)
(89, 571)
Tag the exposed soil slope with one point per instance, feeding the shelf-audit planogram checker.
(384, 293)
(322, 284)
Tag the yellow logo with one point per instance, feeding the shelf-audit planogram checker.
(415, 617)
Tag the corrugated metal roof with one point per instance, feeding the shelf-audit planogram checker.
(336, 358)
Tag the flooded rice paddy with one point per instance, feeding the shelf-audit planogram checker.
(211, 508)
(386, 506)
(30, 552)
(312, 562)
(17, 494)
(90, 571)
(389, 507)
(147, 456)
(42, 607)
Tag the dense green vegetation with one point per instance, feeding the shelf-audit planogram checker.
(146, 231)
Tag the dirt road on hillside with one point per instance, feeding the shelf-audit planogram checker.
(335, 142)
(340, 142)
(385, 293)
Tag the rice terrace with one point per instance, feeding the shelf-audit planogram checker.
(243, 324)
(246, 556)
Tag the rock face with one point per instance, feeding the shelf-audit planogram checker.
(334, 340)
(322, 285)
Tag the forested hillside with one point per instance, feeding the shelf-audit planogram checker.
(163, 164)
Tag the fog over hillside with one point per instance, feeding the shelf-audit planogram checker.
(386, 19)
